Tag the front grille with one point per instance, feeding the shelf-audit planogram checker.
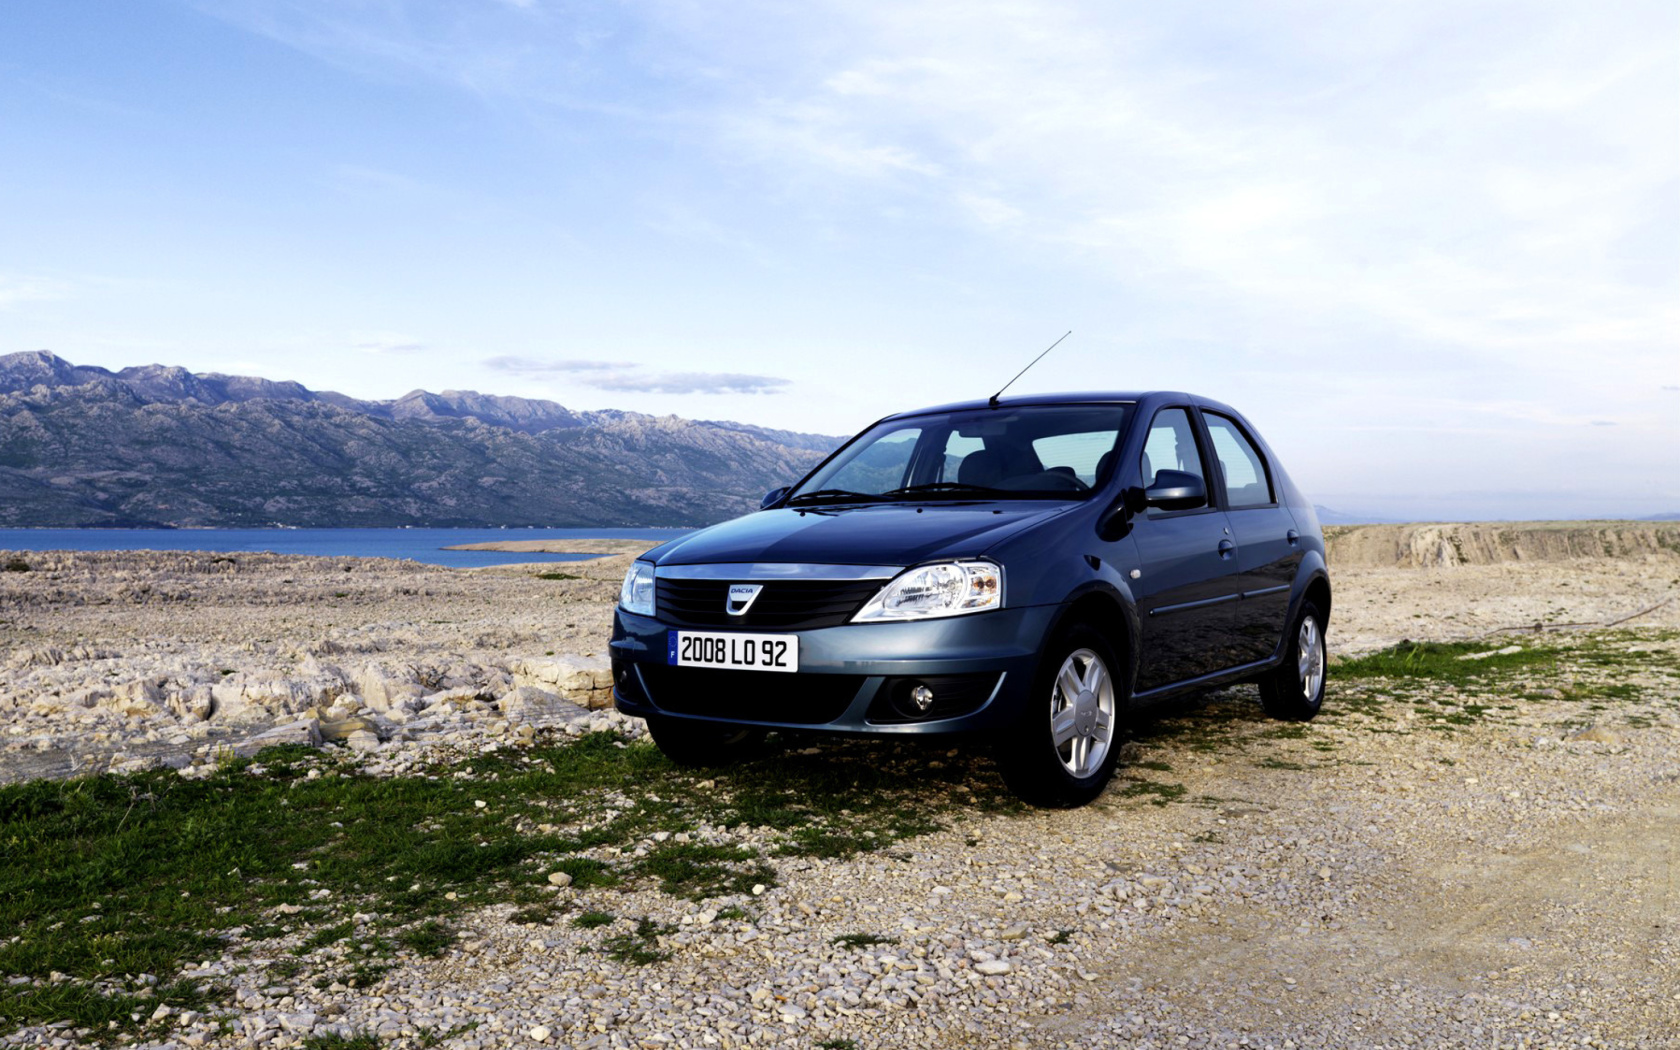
(783, 604)
(751, 696)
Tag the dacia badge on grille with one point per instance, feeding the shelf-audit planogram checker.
(741, 597)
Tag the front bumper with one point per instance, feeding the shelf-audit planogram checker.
(849, 676)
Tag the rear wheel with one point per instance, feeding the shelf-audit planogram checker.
(1294, 690)
(1062, 751)
(691, 743)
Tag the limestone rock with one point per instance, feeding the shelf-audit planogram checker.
(530, 705)
(584, 680)
(1598, 735)
(303, 731)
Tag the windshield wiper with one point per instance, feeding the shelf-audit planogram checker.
(940, 486)
(836, 494)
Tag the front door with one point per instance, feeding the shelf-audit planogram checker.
(1187, 590)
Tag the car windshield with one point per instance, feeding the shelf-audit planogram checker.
(1014, 452)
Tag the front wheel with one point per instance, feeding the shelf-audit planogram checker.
(1294, 691)
(691, 743)
(1062, 751)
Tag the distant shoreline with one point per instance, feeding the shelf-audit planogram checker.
(448, 547)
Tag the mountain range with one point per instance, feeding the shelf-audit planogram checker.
(161, 446)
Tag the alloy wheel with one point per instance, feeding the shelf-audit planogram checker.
(1082, 712)
(1309, 658)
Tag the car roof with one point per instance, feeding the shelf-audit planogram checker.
(1081, 397)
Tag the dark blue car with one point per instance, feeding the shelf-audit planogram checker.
(1031, 568)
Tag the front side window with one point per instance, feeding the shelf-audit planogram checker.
(1017, 452)
(1171, 445)
(1246, 481)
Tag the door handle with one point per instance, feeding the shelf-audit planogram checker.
(1226, 548)
(1293, 537)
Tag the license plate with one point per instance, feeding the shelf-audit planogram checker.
(740, 652)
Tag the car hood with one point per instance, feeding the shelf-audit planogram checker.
(877, 534)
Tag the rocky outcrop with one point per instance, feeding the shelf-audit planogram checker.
(200, 653)
(164, 446)
(1494, 543)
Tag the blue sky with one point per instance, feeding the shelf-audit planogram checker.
(1432, 249)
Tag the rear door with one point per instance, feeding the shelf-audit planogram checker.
(1187, 589)
(1268, 544)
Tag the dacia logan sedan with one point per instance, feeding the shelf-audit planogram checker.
(1031, 568)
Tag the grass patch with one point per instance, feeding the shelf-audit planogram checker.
(167, 870)
(1156, 793)
(15, 565)
(698, 870)
(323, 937)
(590, 920)
(639, 947)
(361, 1041)
(1457, 663)
(558, 576)
(861, 940)
(430, 938)
(838, 1044)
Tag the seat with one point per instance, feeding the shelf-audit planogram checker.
(981, 467)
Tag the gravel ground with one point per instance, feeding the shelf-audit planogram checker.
(1375, 879)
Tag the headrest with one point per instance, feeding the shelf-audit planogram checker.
(981, 467)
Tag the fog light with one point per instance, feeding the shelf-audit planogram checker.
(922, 697)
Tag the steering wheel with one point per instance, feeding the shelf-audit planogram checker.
(1066, 477)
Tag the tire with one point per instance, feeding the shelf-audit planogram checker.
(1062, 751)
(1294, 690)
(690, 743)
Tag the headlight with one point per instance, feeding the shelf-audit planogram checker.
(949, 589)
(637, 593)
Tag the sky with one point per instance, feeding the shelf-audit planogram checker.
(1431, 250)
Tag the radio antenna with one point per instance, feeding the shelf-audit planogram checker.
(994, 399)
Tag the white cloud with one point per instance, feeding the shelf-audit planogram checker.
(16, 289)
(389, 343)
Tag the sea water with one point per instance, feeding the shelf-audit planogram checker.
(422, 545)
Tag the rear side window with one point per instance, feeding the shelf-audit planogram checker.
(1171, 445)
(1246, 482)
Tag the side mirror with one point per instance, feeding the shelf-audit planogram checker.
(773, 497)
(1176, 490)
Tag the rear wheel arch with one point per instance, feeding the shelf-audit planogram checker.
(1318, 592)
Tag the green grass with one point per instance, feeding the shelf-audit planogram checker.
(838, 1044)
(1154, 792)
(167, 870)
(639, 947)
(430, 938)
(557, 576)
(1443, 662)
(363, 1041)
(590, 920)
(861, 940)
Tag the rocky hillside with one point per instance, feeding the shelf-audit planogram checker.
(159, 445)
(1492, 543)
